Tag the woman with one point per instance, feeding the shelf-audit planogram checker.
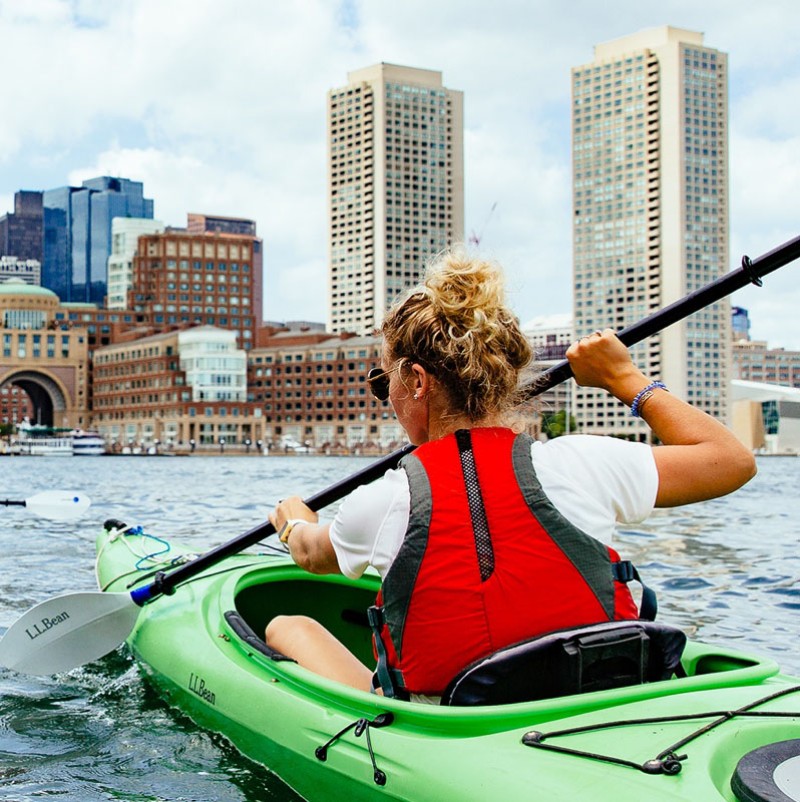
(482, 537)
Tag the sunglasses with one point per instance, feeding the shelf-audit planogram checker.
(378, 381)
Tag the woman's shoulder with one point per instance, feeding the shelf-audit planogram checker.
(620, 473)
(588, 446)
(577, 454)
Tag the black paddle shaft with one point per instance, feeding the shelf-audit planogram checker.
(750, 272)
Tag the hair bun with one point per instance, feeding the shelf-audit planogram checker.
(456, 322)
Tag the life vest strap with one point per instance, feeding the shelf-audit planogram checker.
(389, 680)
(625, 571)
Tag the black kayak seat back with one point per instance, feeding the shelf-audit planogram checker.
(598, 657)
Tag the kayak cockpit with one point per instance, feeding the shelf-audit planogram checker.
(340, 605)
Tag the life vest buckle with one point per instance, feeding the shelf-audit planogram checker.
(624, 571)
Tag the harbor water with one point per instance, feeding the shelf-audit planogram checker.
(726, 571)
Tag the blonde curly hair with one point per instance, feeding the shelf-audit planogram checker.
(457, 326)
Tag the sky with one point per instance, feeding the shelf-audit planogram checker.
(218, 107)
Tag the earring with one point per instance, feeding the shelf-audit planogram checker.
(416, 396)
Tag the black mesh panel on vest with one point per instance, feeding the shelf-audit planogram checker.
(480, 526)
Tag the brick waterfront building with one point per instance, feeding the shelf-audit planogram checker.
(185, 278)
(312, 389)
(175, 389)
(43, 357)
(754, 361)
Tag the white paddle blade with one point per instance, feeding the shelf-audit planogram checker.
(68, 631)
(59, 505)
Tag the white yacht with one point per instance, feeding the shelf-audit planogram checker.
(87, 444)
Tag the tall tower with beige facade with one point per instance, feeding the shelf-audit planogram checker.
(395, 187)
(650, 211)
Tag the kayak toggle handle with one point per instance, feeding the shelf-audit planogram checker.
(360, 727)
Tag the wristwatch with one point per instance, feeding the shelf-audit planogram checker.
(287, 528)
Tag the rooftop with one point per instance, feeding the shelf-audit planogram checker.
(16, 286)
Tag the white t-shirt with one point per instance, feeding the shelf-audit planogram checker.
(595, 482)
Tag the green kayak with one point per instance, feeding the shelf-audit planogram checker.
(728, 730)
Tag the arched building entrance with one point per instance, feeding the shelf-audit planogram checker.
(47, 396)
(45, 357)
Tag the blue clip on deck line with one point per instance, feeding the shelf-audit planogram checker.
(165, 547)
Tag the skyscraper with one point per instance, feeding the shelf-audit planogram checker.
(650, 211)
(740, 323)
(21, 230)
(77, 234)
(395, 187)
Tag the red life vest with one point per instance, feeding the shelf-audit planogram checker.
(487, 561)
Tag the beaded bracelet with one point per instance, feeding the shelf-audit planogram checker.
(643, 395)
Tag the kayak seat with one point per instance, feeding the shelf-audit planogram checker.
(612, 654)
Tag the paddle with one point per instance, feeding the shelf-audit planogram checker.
(750, 272)
(59, 505)
(69, 630)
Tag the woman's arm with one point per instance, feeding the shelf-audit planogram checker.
(699, 459)
(309, 543)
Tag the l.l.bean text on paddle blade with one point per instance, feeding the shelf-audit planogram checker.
(67, 631)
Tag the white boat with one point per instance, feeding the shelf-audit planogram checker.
(40, 441)
(43, 441)
(289, 444)
(87, 444)
(41, 446)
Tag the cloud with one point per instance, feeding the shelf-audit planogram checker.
(181, 183)
(221, 109)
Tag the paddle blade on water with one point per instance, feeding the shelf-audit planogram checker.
(67, 631)
(59, 505)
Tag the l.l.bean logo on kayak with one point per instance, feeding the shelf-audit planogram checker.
(198, 685)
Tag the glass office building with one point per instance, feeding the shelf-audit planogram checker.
(77, 234)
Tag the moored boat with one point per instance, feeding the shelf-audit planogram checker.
(690, 738)
(87, 444)
(35, 440)
(41, 446)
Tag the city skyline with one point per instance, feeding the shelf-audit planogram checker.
(203, 115)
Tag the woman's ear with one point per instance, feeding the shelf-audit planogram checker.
(421, 381)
